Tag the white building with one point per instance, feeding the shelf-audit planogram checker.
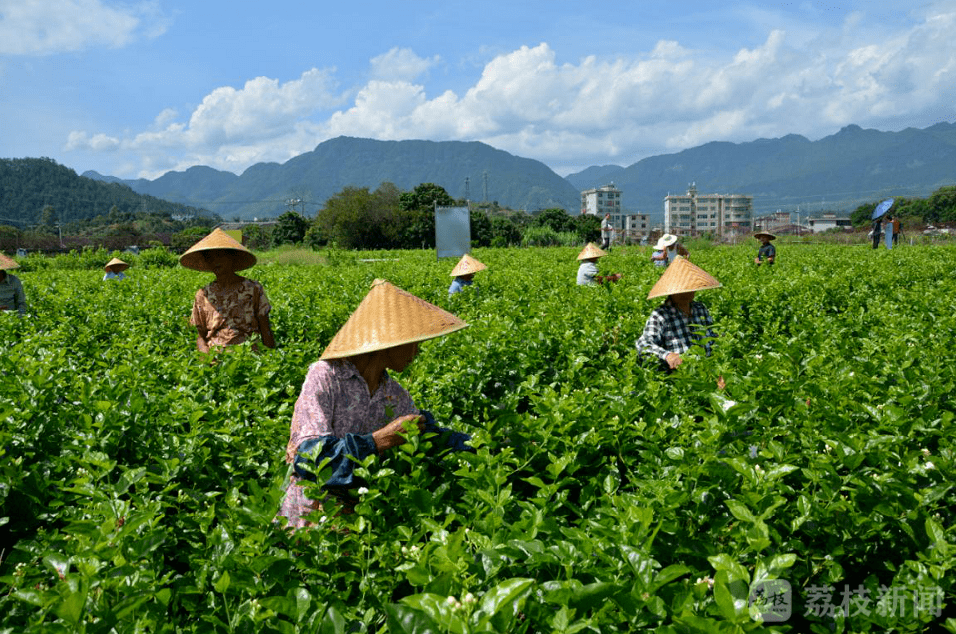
(776, 222)
(601, 200)
(609, 200)
(826, 222)
(723, 215)
(632, 227)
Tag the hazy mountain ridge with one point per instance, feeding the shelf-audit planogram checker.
(316, 176)
(840, 171)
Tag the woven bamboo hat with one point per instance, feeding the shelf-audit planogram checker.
(467, 265)
(765, 233)
(591, 251)
(682, 277)
(7, 263)
(389, 317)
(666, 240)
(118, 263)
(218, 239)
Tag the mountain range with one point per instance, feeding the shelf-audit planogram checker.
(838, 172)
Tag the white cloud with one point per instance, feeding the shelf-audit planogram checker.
(400, 64)
(44, 27)
(593, 111)
(231, 129)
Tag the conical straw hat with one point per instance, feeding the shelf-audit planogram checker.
(765, 233)
(682, 277)
(389, 317)
(118, 263)
(7, 263)
(218, 239)
(591, 251)
(467, 265)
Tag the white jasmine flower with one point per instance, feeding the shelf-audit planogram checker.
(362, 490)
(930, 465)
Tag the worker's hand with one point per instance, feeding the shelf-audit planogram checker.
(673, 360)
(721, 384)
(392, 434)
(757, 261)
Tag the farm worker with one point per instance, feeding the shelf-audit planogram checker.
(114, 270)
(897, 229)
(875, 232)
(349, 405)
(666, 249)
(231, 308)
(767, 251)
(464, 273)
(11, 289)
(607, 231)
(588, 270)
(680, 322)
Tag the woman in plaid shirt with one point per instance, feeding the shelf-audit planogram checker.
(679, 322)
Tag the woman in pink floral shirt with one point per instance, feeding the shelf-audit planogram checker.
(349, 406)
(231, 309)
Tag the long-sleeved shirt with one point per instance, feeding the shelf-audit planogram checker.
(11, 294)
(765, 252)
(458, 285)
(333, 420)
(669, 330)
(586, 273)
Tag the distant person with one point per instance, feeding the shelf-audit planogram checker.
(464, 274)
(876, 231)
(607, 232)
(114, 270)
(767, 253)
(231, 309)
(666, 249)
(897, 230)
(588, 270)
(12, 297)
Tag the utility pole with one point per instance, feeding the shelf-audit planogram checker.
(485, 178)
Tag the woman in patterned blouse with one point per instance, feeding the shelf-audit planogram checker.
(351, 408)
(230, 309)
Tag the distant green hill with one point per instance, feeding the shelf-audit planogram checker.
(29, 185)
(314, 177)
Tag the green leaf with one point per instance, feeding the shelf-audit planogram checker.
(222, 584)
(740, 511)
(504, 595)
(407, 620)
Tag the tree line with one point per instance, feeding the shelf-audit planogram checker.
(939, 207)
(388, 218)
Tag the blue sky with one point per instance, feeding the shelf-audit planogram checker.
(139, 88)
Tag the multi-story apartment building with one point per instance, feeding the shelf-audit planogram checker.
(723, 215)
(601, 200)
(633, 227)
(777, 222)
(609, 200)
